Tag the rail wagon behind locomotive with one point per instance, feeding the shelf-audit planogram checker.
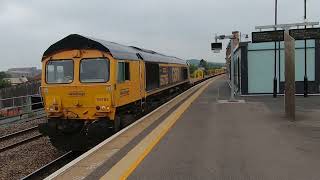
(91, 88)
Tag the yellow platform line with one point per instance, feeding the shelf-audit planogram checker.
(131, 161)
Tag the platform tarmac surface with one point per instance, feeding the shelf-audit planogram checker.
(252, 140)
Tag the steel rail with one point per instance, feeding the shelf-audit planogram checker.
(12, 135)
(46, 169)
(11, 146)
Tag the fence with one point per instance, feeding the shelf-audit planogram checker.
(24, 89)
(21, 108)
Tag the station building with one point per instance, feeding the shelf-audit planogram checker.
(255, 67)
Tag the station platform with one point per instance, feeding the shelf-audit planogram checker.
(202, 138)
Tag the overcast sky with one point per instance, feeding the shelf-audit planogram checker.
(182, 28)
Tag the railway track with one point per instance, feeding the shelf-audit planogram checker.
(59, 162)
(49, 168)
(20, 142)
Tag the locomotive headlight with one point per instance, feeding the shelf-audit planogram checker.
(104, 108)
(51, 108)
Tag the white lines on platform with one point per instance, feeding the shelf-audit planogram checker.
(231, 102)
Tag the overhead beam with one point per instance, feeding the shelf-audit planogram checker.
(287, 26)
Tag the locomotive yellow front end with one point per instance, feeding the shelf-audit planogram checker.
(92, 88)
(77, 93)
(77, 87)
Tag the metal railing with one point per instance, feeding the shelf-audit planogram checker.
(13, 101)
(21, 108)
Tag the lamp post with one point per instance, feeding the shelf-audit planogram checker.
(275, 81)
(305, 79)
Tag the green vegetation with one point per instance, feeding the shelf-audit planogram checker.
(192, 68)
(210, 65)
(4, 83)
(203, 64)
(194, 64)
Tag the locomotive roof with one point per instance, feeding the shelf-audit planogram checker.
(118, 51)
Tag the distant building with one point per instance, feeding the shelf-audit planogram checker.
(28, 72)
(16, 81)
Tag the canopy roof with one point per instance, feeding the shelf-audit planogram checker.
(118, 51)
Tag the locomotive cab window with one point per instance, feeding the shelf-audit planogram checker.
(59, 71)
(94, 70)
(123, 71)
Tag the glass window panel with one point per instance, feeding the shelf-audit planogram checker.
(59, 71)
(121, 72)
(260, 71)
(94, 70)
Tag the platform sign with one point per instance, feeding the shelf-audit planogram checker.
(309, 33)
(267, 36)
(216, 46)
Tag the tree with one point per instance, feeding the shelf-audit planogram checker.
(4, 75)
(203, 64)
(192, 68)
(4, 83)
